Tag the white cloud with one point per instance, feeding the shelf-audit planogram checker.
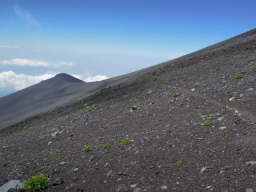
(12, 80)
(95, 78)
(34, 63)
(9, 47)
(25, 15)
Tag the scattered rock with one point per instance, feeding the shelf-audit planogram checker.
(122, 188)
(203, 169)
(164, 188)
(58, 181)
(137, 189)
(75, 169)
(109, 173)
(149, 91)
(222, 128)
(12, 184)
(250, 163)
(62, 163)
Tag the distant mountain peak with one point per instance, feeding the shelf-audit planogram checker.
(66, 77)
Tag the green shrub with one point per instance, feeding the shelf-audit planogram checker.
(126, 97)
(239, 76)
(126, 141)
(207, 123)
(87, 148)
(91, 108)
(36, 183)
(106, 146)
(179, 162)
(175, 95)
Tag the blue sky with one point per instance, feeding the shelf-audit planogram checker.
(96, 39)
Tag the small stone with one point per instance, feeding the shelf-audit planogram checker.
(220, 118)
(12, 184)
(49, 143)
(137, 189)
(241, 95)
(5, 147)
(75, 169)
(193, 89)
(231, 99)
(250, 163)
(249, 190)
(133, 185)
(54, 134)
(109, 173)
(91, 158)
(122, 188)
(203, 170)
(149, 91)
(164, 188)
(222, 128)
(58, 181)
(250, 89)
(62, 163)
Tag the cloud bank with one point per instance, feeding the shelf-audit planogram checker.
(12, 80)
(22, 62)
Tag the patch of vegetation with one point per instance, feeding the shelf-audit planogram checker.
(87, 148)
(126, 97)
(228, 62)
(126, 141)
(106, 146)
(225, 131)
(32, 134)
(179, 162)
(207, 123)
(24, 161)
(196, 85)
(155, 146)
(253, 67)
(175, 95)
(136, 105)
(98, 110)
(91, 108)
(239, 76)
(36, 183)
(153, 78)
(164, 82)
(53, 154)
(53, 130)
(36, 157)
(159, 95)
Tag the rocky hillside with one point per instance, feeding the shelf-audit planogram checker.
(184, 125)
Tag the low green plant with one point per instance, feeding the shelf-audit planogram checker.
(106, 146)
(126, 141)
(179, 162)
(91, 108)
(155, 146)
(136, 105)
(228, 62)
(36, 183)
(175, 95)
(53, 130)
(87, 148)
(159, 95)
(126, 97)
(207, 123)
(225, 131)
(196, 85)
(53, 154)
(239, 76)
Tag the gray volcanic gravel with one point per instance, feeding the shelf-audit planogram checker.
(189, 125)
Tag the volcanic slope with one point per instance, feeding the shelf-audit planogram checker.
(184, 125)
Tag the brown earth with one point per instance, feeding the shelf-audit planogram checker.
(191, 123)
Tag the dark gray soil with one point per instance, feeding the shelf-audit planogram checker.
(191, 123)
